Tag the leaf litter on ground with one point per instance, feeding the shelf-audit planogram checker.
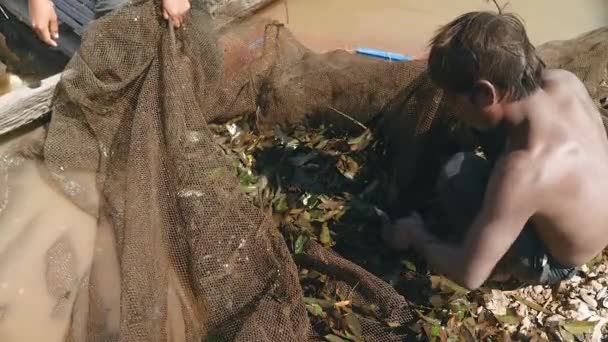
(330, 187)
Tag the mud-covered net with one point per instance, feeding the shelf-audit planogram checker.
(173, 249)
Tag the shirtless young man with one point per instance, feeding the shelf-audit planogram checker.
(539, 205)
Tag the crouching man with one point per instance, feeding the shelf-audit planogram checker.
(539, 206)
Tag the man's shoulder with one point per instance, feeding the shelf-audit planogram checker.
(514, 182)
(562, 77)
(516, 169)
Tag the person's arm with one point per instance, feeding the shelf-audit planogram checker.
(44, 20)
(509, 203)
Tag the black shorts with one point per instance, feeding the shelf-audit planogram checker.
(461, 187)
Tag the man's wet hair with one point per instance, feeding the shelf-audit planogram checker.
(485, 46)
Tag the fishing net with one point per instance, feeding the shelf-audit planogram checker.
(170, 248)
(181, 253)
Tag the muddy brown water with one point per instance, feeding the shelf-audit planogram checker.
(34, 216)
(405, 26)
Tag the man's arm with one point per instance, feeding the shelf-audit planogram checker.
(509, 203)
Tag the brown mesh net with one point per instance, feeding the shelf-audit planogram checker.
(181, 253)
(178, 251)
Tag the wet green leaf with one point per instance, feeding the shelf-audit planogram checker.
(460, 307)
(566, 335)
(315, 310)
(430, 320)
(409, 265)
(579, 327)
(316, 214)
(510, 318)
(436, 330)
(447, 286)
(325, 304)
(280, 204)
(334, 338)
(325, 236)
(354, 324)
(213, 339)
(310, 200)
(299, 244)
(247, 178)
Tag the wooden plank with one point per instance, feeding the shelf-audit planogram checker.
(25, 105)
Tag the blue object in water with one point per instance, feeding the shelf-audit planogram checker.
(391, 56)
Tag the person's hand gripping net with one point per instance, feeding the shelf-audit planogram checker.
(175, 11)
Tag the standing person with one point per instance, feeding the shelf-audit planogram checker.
(44, 18)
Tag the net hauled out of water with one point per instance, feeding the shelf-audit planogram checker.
(181, 253)
(175, 250)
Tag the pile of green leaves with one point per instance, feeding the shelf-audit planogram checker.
(329, 187)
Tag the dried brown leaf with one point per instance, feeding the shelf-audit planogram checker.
(530, 304)
(343, 303)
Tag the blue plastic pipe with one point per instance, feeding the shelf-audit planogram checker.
(391, 56)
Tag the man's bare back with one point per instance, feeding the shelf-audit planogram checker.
(563, 151)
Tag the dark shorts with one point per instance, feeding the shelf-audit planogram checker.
(461, 187)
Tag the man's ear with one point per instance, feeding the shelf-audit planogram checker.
(484, 94)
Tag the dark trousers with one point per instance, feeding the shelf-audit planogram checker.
(461, 188)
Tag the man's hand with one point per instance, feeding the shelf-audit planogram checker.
(175, 11)
(44, 21)
(406, 232)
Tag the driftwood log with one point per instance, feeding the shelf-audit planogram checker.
(25, 105)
